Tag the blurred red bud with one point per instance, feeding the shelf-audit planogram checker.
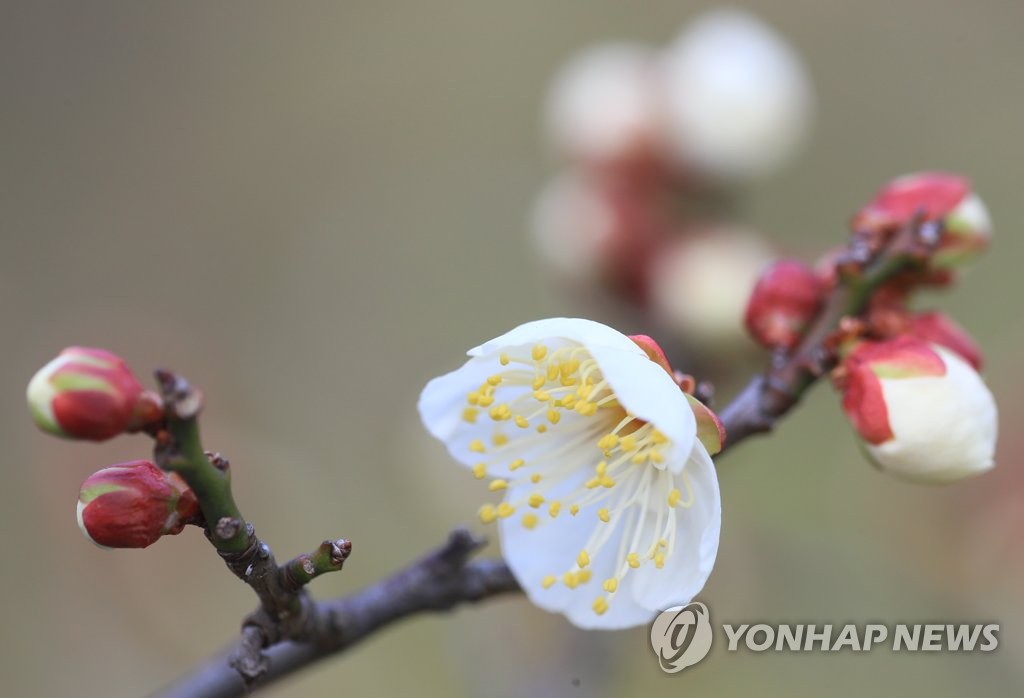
(785, 299)
(967, 227)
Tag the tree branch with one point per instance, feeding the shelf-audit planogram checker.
(445, 578)
(437, 582)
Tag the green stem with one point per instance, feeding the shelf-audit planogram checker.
(212, 487)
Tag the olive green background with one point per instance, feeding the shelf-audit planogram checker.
(313, 208)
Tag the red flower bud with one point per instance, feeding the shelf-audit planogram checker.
(131, 505)
(89, 394)
(785, 299)
(940, 329)
(966, 230)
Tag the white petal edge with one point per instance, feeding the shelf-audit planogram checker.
(586, 332)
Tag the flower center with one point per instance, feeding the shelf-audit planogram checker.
(560, 417)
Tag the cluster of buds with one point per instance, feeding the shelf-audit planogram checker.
(92, 395)
(657, 140)
(909, 380)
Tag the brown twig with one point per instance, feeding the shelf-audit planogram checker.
(437, 582)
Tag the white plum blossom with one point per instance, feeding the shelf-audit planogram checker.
(611, 509)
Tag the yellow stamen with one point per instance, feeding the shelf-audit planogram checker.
(659, 560)
(505, 510)
(553, 416)
(497, 485)
(539, 352)
(535, 500)
(522, 422)
(548, 581)
(574, 509)
(535, 478)
(516, 464)
(487, 513)
(610, 585)
(674, 496)
(477, 446)
(633, 559)
(529, 521)
(480, 471)
(541, 428)
(604, 515)
(499, 439)
(583, 559)
(469, 414)
(541, 395)
(583, 576)
(554, 508)
(504, 359)
(600, 605)
(494, 380)
(570, 580)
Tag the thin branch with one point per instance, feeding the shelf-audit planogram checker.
(439, 581)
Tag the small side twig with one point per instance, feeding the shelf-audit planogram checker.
(438, 581)
(285, 611)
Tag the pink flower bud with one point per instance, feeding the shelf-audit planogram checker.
(89, 394)
(940, 329)
(131, 505)
(923, 412)
(967, 227)
(785, 299)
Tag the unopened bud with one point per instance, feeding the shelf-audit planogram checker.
(89, 394)
(784, 301)
(924, 414)
(131, 505)
(966, 229)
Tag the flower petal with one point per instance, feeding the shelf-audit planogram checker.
(551, 549)
(644, 389)
(698, 527)
(586, 332)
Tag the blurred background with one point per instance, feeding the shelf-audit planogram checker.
(311, 209)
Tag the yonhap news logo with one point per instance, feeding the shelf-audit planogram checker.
(682, 636)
